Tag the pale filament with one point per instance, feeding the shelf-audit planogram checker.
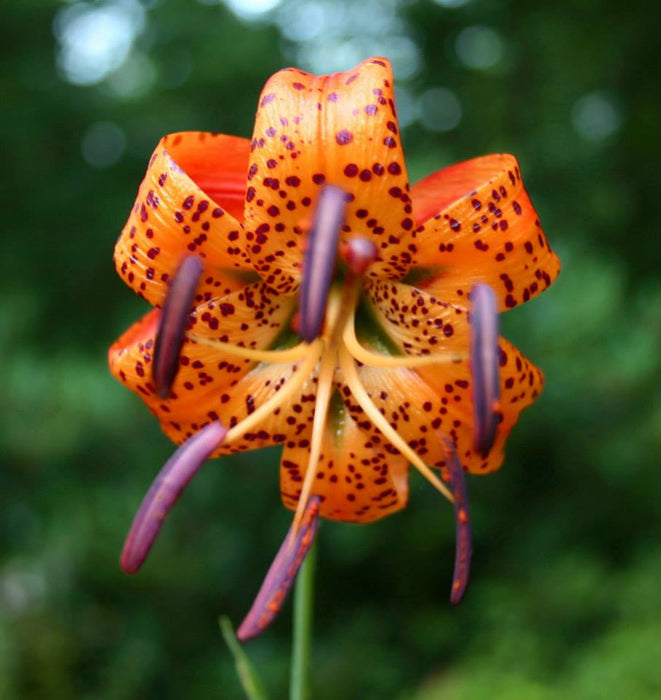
(339, 305)
(271, 356)
(374, 359)
(289, 389)
(360, 394)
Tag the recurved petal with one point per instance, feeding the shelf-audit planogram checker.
(314, 130)
(183, 207)
(476, 223)
(439, 397)
(217, 163)
(360, 477)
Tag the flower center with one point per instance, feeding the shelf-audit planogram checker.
(333, 355)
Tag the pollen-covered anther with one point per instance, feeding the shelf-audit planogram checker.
(463, 545)
(282, 573)
(172, 324)
(165, 491)
(358, 253)
(319, 260)
(484, 366)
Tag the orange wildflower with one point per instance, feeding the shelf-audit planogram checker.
(325, 306)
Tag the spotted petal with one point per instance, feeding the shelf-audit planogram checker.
(200, 392)
(341, 130)
(476, 224)
(439, 397)
(360, 477)
(186, 205)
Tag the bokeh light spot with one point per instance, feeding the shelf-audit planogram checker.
(439, 109)
(479, 47)
(595, 117)
(94, 40)
(103, 144)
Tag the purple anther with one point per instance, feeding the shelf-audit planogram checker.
(463, 546)
(280, 577)
(359, 253)
(172, 324)
(319, 260)
(484, 366)
(165, 491)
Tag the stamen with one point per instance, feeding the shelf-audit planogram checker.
(172, 323)
(319, 260)
(359, 253)
(280, 577)
(270, 356)
(360, 394)
(324, 390)
(165, 491)
(463, 546)
(484, 366)
(299, 377)
(373, 359)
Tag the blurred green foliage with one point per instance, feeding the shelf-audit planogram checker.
(565, 599)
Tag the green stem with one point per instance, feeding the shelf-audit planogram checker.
(303, 616)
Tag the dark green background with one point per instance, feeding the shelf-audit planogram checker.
(566, 593)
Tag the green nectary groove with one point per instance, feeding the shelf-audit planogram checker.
(418, 276)
(371, 333)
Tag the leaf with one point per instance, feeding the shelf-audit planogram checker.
(247, 676)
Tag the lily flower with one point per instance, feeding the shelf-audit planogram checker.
(306, 296)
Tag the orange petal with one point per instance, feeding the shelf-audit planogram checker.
(439, 397)
(340, 130)
(360, 477)
(201, 390)
(420, 403)
(477, 224)
(420, 322)
(217, 163)
(175, 214)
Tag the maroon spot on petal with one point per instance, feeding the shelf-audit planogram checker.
(343, 137)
